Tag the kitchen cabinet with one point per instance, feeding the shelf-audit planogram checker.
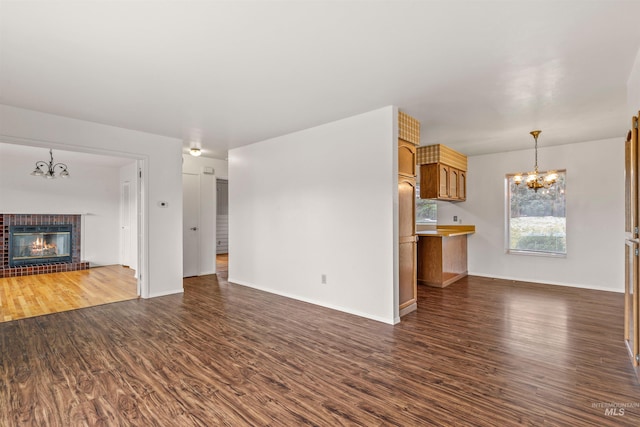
(408, 139)
(632, 246)
(406, 159)
(443, 182)
(631, 315)
(442, 255)
(462, 185)
(407, 250)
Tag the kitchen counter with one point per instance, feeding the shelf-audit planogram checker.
(442, 254)
(447, 230)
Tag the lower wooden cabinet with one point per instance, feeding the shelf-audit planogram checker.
(441, 259)
(408, 292)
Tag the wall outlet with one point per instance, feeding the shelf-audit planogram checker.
(455, 218)
(323, 279)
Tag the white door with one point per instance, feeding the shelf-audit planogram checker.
(190, 225)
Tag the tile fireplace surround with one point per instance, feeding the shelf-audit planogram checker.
(7, 220)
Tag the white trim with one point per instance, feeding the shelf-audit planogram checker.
(395, 217)
(546, 282)
(393, 321)
(8, 139)
(143, 229)
(165, 293)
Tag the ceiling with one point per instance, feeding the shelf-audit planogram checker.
(479, 75)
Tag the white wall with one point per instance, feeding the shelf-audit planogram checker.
(319, 201)
(595, 215)
(162, 227)
(207, 229)
(633, 88)
(91, 190)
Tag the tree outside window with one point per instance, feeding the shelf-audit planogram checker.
(426, 209)
(537, 220)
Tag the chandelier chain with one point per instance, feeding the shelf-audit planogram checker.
(534, 180)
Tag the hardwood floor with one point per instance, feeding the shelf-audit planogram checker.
(29, 296)
(480, 352)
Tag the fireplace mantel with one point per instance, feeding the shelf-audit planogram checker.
(8, 220)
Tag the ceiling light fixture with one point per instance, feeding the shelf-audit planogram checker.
(195, 149)
(536, 179)
(47, 170)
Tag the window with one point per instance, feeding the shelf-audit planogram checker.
(536, 221)
(426, 209)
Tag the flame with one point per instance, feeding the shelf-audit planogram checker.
(39, 246)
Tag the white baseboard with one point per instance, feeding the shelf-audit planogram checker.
(171, 292)
(570, 285)
(389, 321)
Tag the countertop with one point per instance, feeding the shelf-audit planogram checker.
(447, 230)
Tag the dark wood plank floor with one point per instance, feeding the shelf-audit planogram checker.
(480, 352)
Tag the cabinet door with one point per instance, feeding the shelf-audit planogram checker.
(406, 158)
(631, 306)
(462, 185)
(407, 245)
(453, 183)
(429, 181)
(630, 181)
(443, 181)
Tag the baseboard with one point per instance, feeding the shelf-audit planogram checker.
(569, 285)
(408, 309)
(389, 321)
(165, 293)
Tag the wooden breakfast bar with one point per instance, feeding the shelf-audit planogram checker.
(442, 254)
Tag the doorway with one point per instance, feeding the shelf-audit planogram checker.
(222, 216)
(108, 220)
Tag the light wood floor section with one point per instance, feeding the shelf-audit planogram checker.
(29, 296)
(480, 352)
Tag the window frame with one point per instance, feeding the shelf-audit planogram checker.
(507, 223)
(435, 221)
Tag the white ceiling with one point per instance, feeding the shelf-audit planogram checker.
(479, 75)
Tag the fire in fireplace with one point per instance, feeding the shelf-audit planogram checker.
(39, 244)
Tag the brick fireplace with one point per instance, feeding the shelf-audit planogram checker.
(7, 221)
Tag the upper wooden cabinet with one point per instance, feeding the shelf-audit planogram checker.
(406, 159)
(443, 182)
(443, 173)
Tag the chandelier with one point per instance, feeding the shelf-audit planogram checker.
(536, 179)
(47, 170)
